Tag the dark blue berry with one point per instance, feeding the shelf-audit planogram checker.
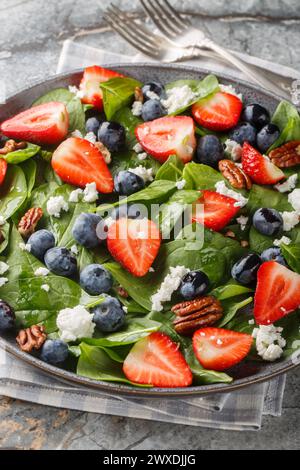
(256, 115)
(7, 316)
(112, 135)
(40, 242)
(153, 87)
(109, 316)
(268, 221)
(243, 132)
(54, 351)
(127, 183)
(95, 279)
(266, 137)
(92, 125)
(209, 150)
(193, 284)
(152, 109)
(245, 270)
(60, 261)
(273, 254)
(84, 229)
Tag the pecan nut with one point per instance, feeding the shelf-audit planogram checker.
(287, 155)
(29, 221)
(12, 146)
(138, 94)
(105, 152)
(234, 174)
(197, 313)
(31, 338)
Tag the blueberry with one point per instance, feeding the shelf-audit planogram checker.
(193, 284)
(7, 316)
(268, 221)
(109, 316)
(245, 270)
(127, 183)
(84, 229)
(112, 135)
(209, 150)
(95, 279)
(243, 132)
(256, 115)
(92, 125)
(273, 254)
(153, 87)
(266, 137)
(152, 109)
(60, 261)
(40, 242)
(54, 351)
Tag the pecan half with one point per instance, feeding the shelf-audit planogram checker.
(12, 146)
(138, 94)
(29, 221)
(287, 155)
(197, 313)
(105, 152)
(234, 174)
(31, 338)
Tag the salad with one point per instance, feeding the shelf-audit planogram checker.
(149, 232)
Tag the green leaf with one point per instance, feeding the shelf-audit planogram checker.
(117, 93)
(259, 242)
(291, 333)
(229, 290)
(198, 176)
(291, 254)
(171, 170)
(287, 118)
(13, 192)
(231, 308)
(4, 230)
(125, 117)
(260, 196)
(21, 155)
(203, 376)
(29, 168)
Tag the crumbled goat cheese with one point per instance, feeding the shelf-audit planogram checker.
(77, 134)
(45, 287)
(2, 220)
(55, 205)
(145, 173)
(251, 322)
(41, 272)
(90, 193)
(169, 285)
(137, 108)
(178, 97)
(242, 220)
(3, 280)
(285, 240)
(91, 137)
(3, 267)
(74, 249)
(125, 309)
(180, 184)
(74, 195)
(142, 156)
(288, 185)
(152, 96)
(151, 270)
(75, 323)
(231, 90)
(221, 188)
(25, 247)
(290, 220)
(78, 93)
(269, 342)
(294, 199)
(233, 150)
(138, 148)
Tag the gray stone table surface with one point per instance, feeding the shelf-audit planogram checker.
(31, 37)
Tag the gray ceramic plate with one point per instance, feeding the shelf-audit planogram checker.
(248, 373)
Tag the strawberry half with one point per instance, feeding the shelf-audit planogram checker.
(90, 84)
(220, 349)
(218, 112)
(78, 162)
(170, 135)
(260, 169)
(45, 124)
(134, 243)
(3, 169)
(156, 360)
(214, 210)
(277, 293)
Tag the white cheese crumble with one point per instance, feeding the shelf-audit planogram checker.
(138, 148)
(55, 205)
(151, 270)
(25, 247)
(3, 280)
(233, 150)
(2, 220)
(180, 184)
(77, 134)
(74, 195)
(74, 249)
(242, 220)
(269, 342)
(169, 285)
(178, 97)
(221, 188)
(3, 267)
(285, 240)
(290, 220)
(90, 193)
(152, 96)
(231, 90)
(91, 137)
(78, 93)
(75, 323)
(251, 322)
(145, 173)
(45, 287)
(288, 185)
(294, 199)
(142, 156)
(41, 272)
(136, 108)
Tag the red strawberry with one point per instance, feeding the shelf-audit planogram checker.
(219, 349)
(78, 162)
(45, 124)
(156, 360)
(3, 169)
(277, 293)
(214, 210)
(218, 112)
(260, 169)
(90, 84)
(170, 135)
(134, 244)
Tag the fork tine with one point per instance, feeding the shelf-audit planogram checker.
(171, 15)
(160, 22)
(175, 14)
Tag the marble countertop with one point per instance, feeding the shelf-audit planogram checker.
(30, 45)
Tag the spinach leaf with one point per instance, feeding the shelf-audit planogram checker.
(203, 376)
(117, 93)
(4, 232)
(287, 118)
(21, 155)
(171, 170)
(259, 242)
(29, 168)
(198, 176)
(291, 255)
(260, 196)
(291, 333)
(231, 308)
(229, 290)
(125, 117)
(13, 192)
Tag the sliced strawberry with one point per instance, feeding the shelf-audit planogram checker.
(78, 162)
(3, 169)
(218, 112)
(260, 169)
(134, 244)
(214, 210)
(219, 349)
(170, 135)
(46, 124)
(277, 293)
(90, 84)
(156, 360)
